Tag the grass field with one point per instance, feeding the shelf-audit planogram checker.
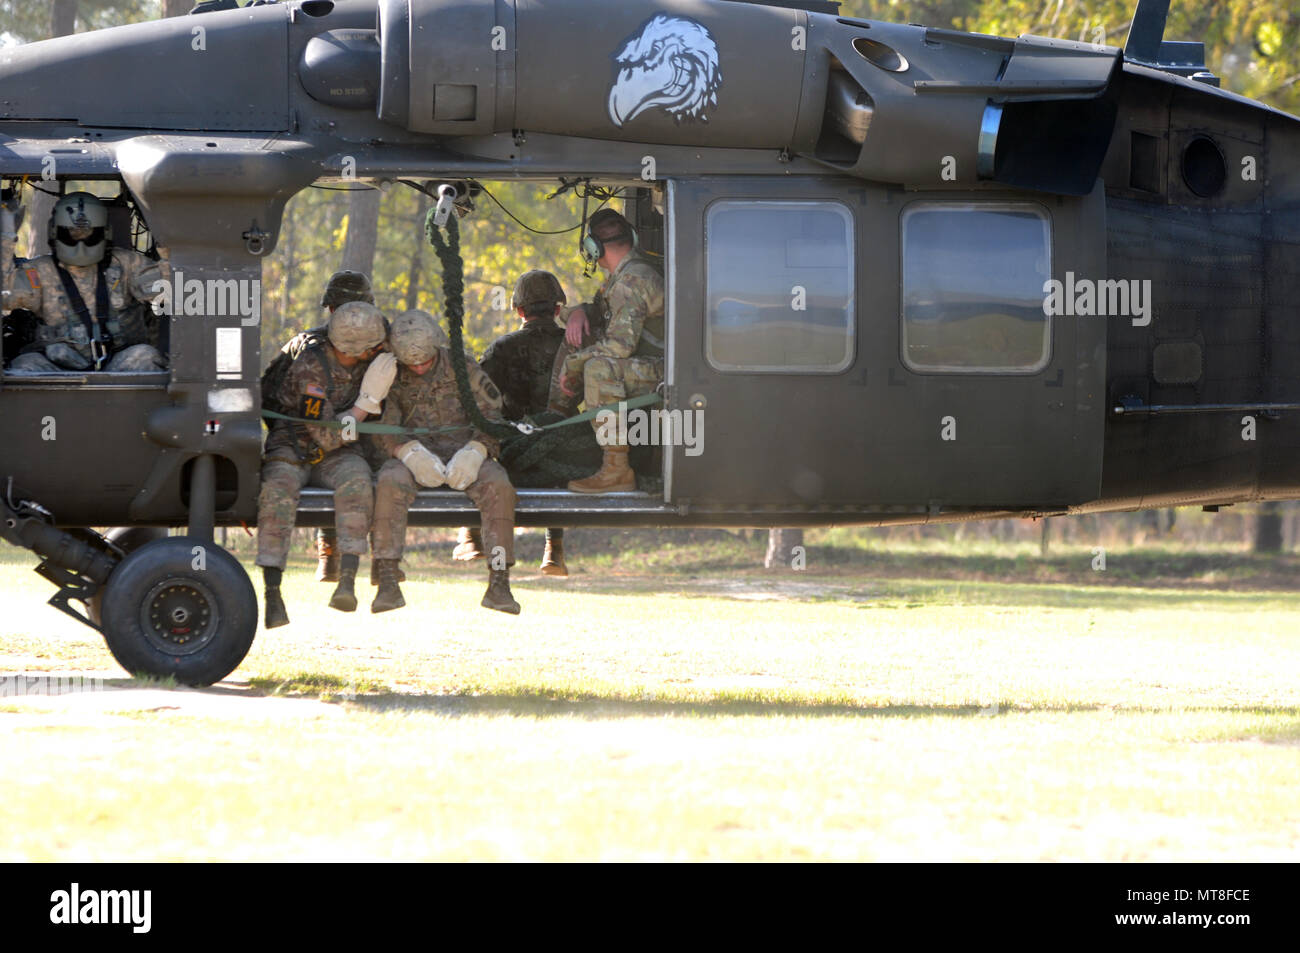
(662, 703)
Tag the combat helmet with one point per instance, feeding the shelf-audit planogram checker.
(78, 230)
(537, 287)
(415, 337)
(356, 327)
(345, 286)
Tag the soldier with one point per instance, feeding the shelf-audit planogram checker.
(627, 361)
(329, 381)
(91, 298)
(425, 395)
(343, 286)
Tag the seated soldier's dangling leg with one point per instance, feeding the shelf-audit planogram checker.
(348, 475)
(469, 544)
(553, 557)
(277, 508)
(395, 491)
(603, 387)
(327, 554)
(494, 496)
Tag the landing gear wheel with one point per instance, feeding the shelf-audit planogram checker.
(128, 539)
(163, 616)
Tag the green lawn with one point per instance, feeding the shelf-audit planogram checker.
(665, 706)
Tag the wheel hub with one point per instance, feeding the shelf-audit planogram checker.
(179, 615)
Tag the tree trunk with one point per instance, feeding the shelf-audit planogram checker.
(177, 8)
(781, 545)
(417, 256)
(363, 231)
(289, 237)
(1268, 528)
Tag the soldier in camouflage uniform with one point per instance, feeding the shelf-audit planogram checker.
(521, 364)
(455, 454)
(343, 286)
(627, 361)
(329, 381)
(92, 299)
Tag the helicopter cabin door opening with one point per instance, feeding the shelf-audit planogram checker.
(845, 343)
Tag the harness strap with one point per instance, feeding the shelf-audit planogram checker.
(101, 339)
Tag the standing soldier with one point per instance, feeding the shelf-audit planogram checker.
(627, 361)
(454, 453)
(329, 381)
(343, 286)
(93, 300)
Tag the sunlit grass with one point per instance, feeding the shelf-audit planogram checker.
(840, 713)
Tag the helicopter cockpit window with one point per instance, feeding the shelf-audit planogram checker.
(973, 278)
(780, 287)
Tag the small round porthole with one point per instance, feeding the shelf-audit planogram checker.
(318, 8)
(880, 55)
(1204, 169)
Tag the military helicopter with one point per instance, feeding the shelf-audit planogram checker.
(913, 275)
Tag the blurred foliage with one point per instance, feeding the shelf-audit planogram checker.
(24, 21)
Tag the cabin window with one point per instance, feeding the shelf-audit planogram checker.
(780, 287)
(973, 288)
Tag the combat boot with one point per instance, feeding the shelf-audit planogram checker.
(389, 595)
(613, 476)
(469, 545)
(553, 558)
(498, 593)
(327, 554)
(345, 596)
(276, 614)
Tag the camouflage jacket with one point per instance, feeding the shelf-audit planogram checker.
(634, 296)
(520, 364)
(317, 387)
(431, 400)
(35, 285)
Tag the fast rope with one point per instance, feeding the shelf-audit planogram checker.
(538, 459)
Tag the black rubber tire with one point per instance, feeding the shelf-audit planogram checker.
(128, 539)
(162, 616)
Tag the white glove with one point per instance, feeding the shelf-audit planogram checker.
(423, 463)
(464, 466)
(378, 381)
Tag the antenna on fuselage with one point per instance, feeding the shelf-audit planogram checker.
(1147, 45)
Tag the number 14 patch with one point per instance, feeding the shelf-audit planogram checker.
(313, 403)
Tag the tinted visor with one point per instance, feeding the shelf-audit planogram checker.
(80, 236)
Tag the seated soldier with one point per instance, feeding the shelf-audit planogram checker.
(92, 299)
(627, 360)
(455, 454)
(343, 286)
(520, 364)
(329, 381)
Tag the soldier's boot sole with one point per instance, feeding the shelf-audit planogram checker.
(345, 597)
(388, 598)
(276, 614)
(498, 595)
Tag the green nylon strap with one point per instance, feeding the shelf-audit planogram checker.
(647, 400)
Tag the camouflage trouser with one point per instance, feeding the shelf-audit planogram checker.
(608, 380)
(136, 358)
(491, 493)
(344, 471)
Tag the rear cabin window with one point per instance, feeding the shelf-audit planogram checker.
(780, 287)
(973, 278)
